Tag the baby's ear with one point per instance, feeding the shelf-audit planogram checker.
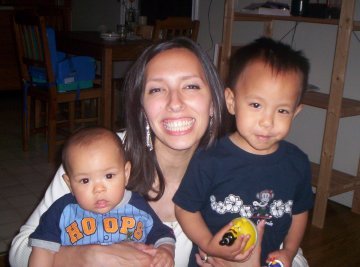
(127, 171)
(67, 180)
(230, 100)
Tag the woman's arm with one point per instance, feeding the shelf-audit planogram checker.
(121, 254)
(20, 251)
(41, 257)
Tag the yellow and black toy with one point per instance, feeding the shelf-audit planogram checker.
(241, 226)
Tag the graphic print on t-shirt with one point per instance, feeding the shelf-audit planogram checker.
(264, 207)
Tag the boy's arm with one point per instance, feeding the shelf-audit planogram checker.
(296, 233)
(292, 240)
(194, 227)
(40, 257)
(197, 231)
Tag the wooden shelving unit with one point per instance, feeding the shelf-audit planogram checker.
(328, 182)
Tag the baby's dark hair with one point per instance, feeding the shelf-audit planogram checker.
(85, 137)
(279, 56)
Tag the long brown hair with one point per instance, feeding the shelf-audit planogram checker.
(145, 166)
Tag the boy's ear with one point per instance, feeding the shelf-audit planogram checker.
(127, 171)
(298, 109)
(230, 100)
(67, 180)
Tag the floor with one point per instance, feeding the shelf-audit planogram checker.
(23, 175)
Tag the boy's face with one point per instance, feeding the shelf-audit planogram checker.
(97, 175)
(264, 103)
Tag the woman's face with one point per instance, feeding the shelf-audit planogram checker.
(177, 99)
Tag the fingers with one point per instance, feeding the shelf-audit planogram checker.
(260, 231)
(204, 260)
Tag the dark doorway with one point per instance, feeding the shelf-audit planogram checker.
(161, 9)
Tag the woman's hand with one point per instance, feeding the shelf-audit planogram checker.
(121, 254)
(253, 261)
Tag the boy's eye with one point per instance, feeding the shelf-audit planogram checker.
(109, 175)
(283, 111)
(255, 105)
(84, 180)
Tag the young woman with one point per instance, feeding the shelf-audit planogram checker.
(174, 103)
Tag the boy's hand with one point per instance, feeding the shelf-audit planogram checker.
(283, 255)
(231, 253)
(253, 261)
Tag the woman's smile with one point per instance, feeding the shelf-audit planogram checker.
(179, 126)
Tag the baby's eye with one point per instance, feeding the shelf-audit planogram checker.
(109, 175)
(84, 180)
(192, 86)
(255, 105)
(284, 111)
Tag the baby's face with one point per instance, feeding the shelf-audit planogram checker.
(264, 102)
(97, 175)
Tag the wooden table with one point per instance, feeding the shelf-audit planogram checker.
(89, 43)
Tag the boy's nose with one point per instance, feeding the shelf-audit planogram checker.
(267, 120)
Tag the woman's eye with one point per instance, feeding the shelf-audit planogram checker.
(255, 105)
(109, 175)
(154, 90)
(192, 86)
(84, 180)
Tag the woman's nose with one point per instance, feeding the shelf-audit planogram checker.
(175, 101)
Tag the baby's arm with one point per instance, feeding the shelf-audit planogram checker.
(292, 240)
(40, 257)
(197, 231)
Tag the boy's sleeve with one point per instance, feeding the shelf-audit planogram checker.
(196, 184)
(304, 199)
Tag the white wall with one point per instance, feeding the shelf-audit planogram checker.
(318, 43)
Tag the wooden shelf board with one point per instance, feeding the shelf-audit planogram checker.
(356, 26)
(242, 16)
(349, 107)
(340, 182)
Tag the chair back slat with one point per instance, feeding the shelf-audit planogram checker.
(32, 44)
(176, 26)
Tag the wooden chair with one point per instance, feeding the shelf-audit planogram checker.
(33, 51)
(175, 26)
(57, 17)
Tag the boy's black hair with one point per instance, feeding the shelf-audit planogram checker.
(279, 56)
